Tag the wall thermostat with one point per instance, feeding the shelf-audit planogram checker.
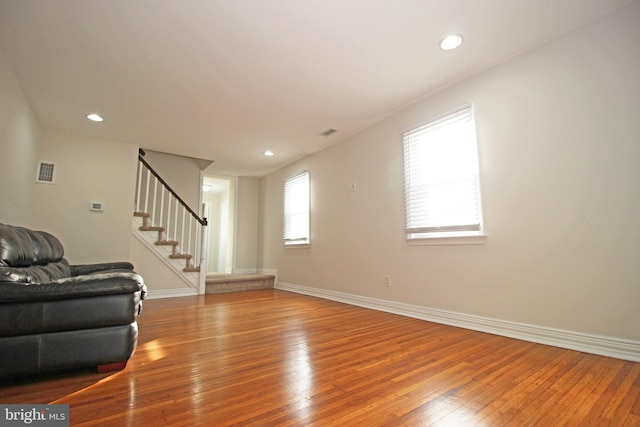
(96, 206)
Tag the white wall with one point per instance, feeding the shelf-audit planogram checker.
(213, 219)
(19, 139)
(161, 280)
(559, 142)
(88, 170)
(181, 173)
(247, 224)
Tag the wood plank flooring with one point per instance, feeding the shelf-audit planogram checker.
(274, 358)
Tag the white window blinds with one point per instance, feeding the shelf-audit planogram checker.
(296, 210)
(442, 188)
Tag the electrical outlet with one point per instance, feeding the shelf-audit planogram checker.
(387, 281)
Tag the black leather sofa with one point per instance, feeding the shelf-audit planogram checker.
(57, 317)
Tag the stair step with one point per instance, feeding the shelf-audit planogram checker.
(167, 243)
(173, 243)
(150, 228)
(224, 283)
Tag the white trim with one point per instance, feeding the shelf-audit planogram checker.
(447, 240)
(596, 344)
(204, 255)
(171, 293)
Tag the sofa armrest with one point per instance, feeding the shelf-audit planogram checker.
(82, 269)
(108, 283)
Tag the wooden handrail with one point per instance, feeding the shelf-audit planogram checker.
(202, 221)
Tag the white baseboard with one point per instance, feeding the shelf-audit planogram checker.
(170, 293)
(595, 344)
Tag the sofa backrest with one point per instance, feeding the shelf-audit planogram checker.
(30, 256)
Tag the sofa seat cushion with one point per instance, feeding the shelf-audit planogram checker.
(37, 317)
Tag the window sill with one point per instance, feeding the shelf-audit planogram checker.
(297, 245)
(447, 240)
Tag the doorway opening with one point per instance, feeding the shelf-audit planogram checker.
(218, 204)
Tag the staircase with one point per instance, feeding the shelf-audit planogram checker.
(169, 227)
(171, 230)
(162, 241)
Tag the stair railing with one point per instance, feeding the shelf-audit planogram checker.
(180, 224)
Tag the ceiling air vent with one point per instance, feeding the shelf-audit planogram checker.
(46, 173)
(328, 132)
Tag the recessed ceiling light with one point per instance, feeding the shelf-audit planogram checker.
(451, 42)
(268, 153)
(94, 117)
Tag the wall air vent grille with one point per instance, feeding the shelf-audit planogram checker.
(46, 173)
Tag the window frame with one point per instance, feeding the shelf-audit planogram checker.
(442, 234)
(301, 179)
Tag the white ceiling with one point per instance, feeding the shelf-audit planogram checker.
(225, 80)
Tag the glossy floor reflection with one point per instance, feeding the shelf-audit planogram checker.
(273, 358)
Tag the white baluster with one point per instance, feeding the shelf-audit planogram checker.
(189, 235)
(162, 191)
(155, 194)
(146, 193)
(167, 230)
(203, 260)
(175, 223)
(182, 228)
(138, 195)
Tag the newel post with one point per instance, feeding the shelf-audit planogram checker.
(204, 248)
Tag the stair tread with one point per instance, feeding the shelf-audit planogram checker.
(167, 243)
(189, 268)
(150, 228)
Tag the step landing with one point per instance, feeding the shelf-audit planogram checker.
(224, 283)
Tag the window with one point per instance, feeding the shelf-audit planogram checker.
(295, 230)
(442, 185)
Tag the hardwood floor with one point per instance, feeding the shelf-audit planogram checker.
(274, 358)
